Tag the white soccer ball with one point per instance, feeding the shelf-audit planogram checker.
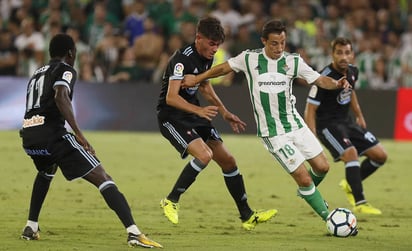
(341, 222)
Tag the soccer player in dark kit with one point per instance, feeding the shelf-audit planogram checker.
(51, 146)
(327, 115)
(188, 127)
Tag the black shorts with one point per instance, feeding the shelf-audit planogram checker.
(180, 133)
(338, 137)
(65, 152)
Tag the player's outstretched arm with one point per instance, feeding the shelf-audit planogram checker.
(331, 84)
(215, 71)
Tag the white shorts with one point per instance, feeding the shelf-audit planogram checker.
(293, 148)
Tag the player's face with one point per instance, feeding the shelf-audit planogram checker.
(275, 45)
(342, 56)
(206, 47)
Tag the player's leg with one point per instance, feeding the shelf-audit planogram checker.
(118, 203)
(376, 157)
(76, 162)
(311, 149)
(185, 143)
(40, 189)
(336, 139)
(291, 158)
(236, 187)
(233, 178)
(309, 192)
(202, 156)
(368, 145)
(352, 173)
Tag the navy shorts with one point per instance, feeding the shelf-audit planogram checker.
(65, 152)
(180, 134)
(338, 137)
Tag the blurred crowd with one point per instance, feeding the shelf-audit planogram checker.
(131, 40)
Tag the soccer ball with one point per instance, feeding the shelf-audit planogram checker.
(341, 222)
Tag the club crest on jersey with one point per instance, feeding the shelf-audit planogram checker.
(285, 68)
(67, 75)
(344, 97)
(178, 71)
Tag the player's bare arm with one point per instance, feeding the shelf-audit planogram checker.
(354, 105)
(331, 84)
(174, 99)
(210, 95)
(64, 104)
(215, 71)
(309, 115)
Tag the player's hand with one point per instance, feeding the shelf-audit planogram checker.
(343, 83)
(189, 81)
(86, 145)
(208, 112)
(235, 122)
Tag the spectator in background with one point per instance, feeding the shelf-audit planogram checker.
(174, 43)
(134, 21)
(169, 16)
(406, 64)
(106, 52)
(332, 24)
(228, 16)
(55, 12)
(31, 46)
(126, 69)
(83, 52)
(8, 54)
(304, 32)
(95, 25)
(148, 48)
(366, 60)
(406, 54)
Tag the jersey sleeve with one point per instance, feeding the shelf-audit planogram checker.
(238, 63)
(65, 76)
(315, 95)
(306, 72)
(178, 67)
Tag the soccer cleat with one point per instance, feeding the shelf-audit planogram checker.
(29, 234)
(344, 185)
(366, 208)
(141, 241)
(170, 210)
(354, 232)
(258, 217)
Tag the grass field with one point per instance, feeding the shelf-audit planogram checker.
(145, 167)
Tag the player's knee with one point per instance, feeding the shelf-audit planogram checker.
(49, 172)
(305, 181)
(323, 167)
(205, 157)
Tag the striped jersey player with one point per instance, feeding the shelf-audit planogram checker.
(270, 72)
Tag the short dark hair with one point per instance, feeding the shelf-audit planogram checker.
(273, 26)
(340, 41)
(60, 45)
(211, 28)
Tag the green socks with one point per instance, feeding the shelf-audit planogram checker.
(313, 197)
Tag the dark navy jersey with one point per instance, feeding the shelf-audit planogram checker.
(42, 117)
(184, 61)
(333, 105)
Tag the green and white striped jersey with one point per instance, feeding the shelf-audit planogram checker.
(270, 88)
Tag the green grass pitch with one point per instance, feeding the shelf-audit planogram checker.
(145, 167)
